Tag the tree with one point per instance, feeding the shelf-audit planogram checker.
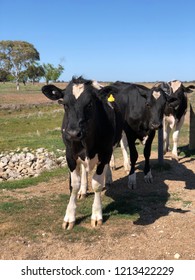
(35, 72)
(16, 56)
(52, 73)
(3, 75)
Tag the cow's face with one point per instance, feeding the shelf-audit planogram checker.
(178, 88)
(155, 104)
(80, 103)
(79, 100)
(80, 111)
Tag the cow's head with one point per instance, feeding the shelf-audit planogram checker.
(155, 104)
(177, 99)
(178, 89)
(80, 101)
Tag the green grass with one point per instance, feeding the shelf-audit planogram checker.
(11, 87)
(11, 208)
(35, 218)
(30, 218)
(33, 128)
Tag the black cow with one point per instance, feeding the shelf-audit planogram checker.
(175, 114)
(142, 110)
(91, 127)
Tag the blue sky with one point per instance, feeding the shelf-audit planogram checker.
(107, 40)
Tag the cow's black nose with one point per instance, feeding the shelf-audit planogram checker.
(74, 134)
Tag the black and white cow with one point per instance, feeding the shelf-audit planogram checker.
(142, 110)
(92, 125)
(175, 113)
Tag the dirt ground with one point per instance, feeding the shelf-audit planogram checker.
(165, 228)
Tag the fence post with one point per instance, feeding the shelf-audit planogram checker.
(192, 123)
(160, 146)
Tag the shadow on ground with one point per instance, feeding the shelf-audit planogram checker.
(148, 200)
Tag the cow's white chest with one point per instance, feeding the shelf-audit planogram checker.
(89, 163)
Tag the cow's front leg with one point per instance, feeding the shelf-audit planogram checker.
(84, 183)
(133, 159)
(108, 176)
(148, 178)
(97, 185)
(70, 216)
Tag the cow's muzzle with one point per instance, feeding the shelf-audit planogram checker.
(74, 134)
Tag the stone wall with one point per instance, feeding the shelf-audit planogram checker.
(26, 163)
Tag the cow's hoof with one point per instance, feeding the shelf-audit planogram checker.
(127, 170)
(148, 178)
(132, 181)
(175, 157)
(81, 196)
(113, 168)
(95, 223)
(67, 225)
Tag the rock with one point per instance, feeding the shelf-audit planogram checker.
(176, 256)
(59, 160)
(25, 162)
(30, 157)
(40, 150)
(11, 164)
(4, 161)
(14, 158)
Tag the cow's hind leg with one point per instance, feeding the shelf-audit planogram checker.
(147, 151)
(112, 162)
(166, 134)
(124, 147)
(70, 216)
(176, 137)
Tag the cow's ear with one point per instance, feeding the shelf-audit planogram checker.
(106, 92)
(52, 92)
(189, 88)
(143, 92)
(166, 88)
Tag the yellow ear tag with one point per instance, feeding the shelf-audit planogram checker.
(111, 98)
